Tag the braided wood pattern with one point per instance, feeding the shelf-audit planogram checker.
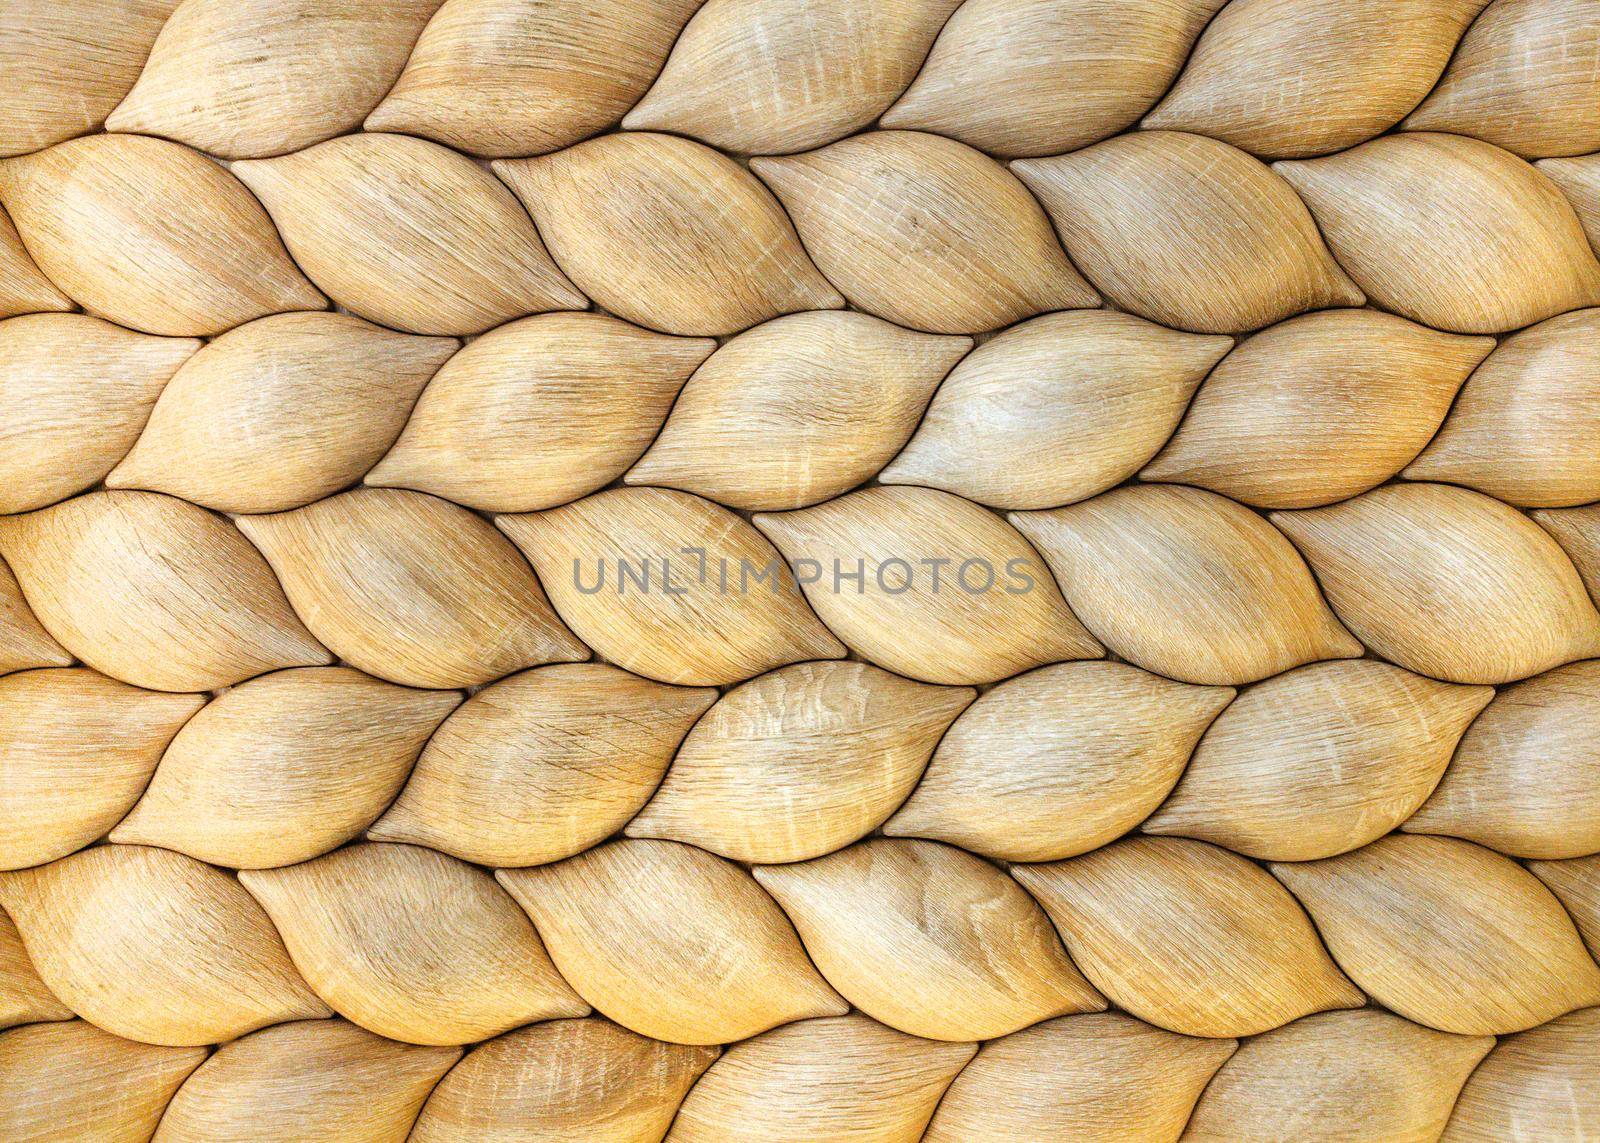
(1251, 348)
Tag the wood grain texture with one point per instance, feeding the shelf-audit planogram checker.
(24, 998)
(412, 588)
(240, 79)
(947, 592)
(1002, 72)
(522, 77)
(929, 939)
(155, 591)
(1537, 1085)
(280, 412)
(1447, 582)
(1525, 77)
(1522, 781)
(284, 767)
(1056, 409)
(1577, 530)
(1059, 761)
(135, 969)
(759, 78)
(1447, 934)
(800, 762)
(24, 642)
(23, 288)
(672, 942)
(409, 234)
(1319, 760)
(1576, 884)
(926, 232)
(1579, 180)
(1144, 568)
(1099, 1078)
(1188, 231)
(540, 411)
(1526, 427)
(314, 1081)
(797, 410)
(1189, 937)
(1291, 78)
(840, 1077)
(542, 765)
(76, 750)
(75, 1081)
(412, 945)
(561, 1080)
(77, 392)
(208, 260)
(699, 611)
(68, 65)
(1398, 214)
(1338, 1077)
(669, 234)
(1318, 408)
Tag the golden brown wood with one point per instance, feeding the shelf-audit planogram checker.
(1318, 408)
(1056, 409)
(1525, 77)
(100, 927)
(1319, 760)
(1189, 937)
(77, 1082)
(1034, 77)
(1444, 932)
(563, 1080)
(841, 1077)
(1290, 78)
(542, 765)
(992, 611)
(669, 234)
(760, 78)
(926, 232)
(1576, 884)
(1188, 231)
(800, 762)
(315, 1080)
(797, 410)
(155, 591)
(1338, 1077)
(23, 288)
(77, 392)
(1448, 582)
(1058, 761)
(1143, 566)
(1099, 1078)
(413, 945)
(691, 606)
(24, 998)
(672, 942)
(246, 78)
(23, 642)
(1526, 428)
(76, 750)
(1524, 777)
(412, 588)
(1537, 1085)
(207, 260)
(1403, 215)
(67, 65)
(1579, 180)
(929, 939)
(1577, 530)
(284, 767)
(409, 234)
(540, 411)
(280, 412)
(522, 77)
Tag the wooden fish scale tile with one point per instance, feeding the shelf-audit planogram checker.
(1253, 346)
